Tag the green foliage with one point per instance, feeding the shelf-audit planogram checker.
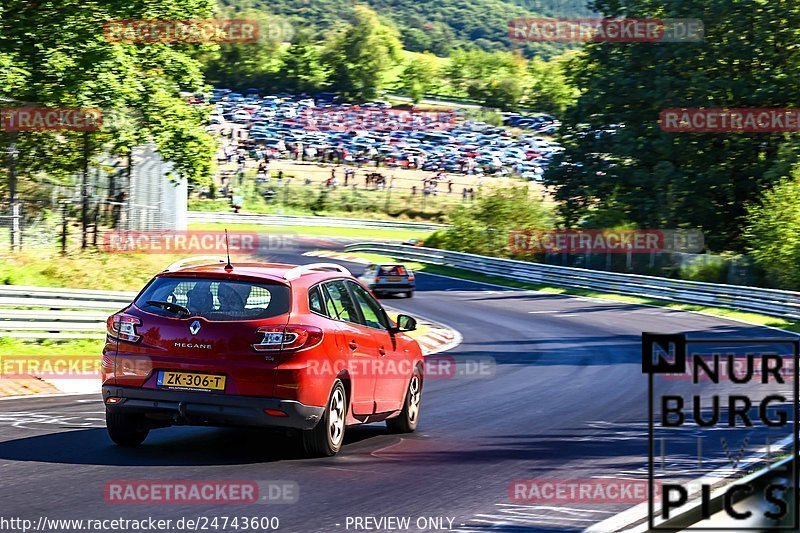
(54, 53)
(708, 268)
(483, 227)
(661, 179)
(437, 27)
(248, 64)
(550, 91)
(773, 233)
(419, 76)
(302, 70)
(360, 56)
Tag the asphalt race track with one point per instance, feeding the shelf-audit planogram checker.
(566, 399)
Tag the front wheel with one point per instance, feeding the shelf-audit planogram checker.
(408, 419)
(125, 429)
(326, 438)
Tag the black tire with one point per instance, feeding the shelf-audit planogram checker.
(407, 420)
(126, 430)
(410, 294)
(324, 440)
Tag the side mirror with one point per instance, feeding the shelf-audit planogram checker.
(406, 323)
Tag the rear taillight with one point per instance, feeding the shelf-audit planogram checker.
(123, 326)
(377, 279)
(295, 338)
(107, 364)
(410, 276)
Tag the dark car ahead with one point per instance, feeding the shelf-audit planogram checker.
(389, 279)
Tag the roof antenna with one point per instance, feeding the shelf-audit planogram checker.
(229, 266)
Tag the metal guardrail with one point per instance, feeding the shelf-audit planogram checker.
(785, 304)
(54, 313)
(292, 220)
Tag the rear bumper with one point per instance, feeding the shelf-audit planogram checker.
(380, 287)
(205, 409)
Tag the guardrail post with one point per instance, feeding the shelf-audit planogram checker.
(63, 228)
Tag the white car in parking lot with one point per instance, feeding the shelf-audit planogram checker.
(241, 116)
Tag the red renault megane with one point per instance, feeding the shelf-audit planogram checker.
(259, 344)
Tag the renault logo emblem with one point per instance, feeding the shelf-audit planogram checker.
(194, 327)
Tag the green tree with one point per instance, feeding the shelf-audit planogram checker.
(419, 76)
(244, 65)
(302, 70)
(773, 233)
(360, 57)
(55, 53)
(484, 227)
(616, 151)
(548, 89)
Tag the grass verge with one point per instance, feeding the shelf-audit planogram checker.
(321, 230)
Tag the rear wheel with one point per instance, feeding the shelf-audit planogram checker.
(408, 419)
(327, 436)
(125, 429)
(410, 294)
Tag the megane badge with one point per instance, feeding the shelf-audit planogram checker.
(194, 327)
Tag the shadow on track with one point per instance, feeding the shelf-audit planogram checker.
(173, 447)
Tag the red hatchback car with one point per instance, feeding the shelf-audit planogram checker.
(259, 344)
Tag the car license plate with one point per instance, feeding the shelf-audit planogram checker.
(190, 381)
(395, 279)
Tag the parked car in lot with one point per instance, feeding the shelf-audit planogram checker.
(389, 279)
(241, 117)
(263, 345)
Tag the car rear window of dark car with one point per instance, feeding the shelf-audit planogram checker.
(216, 299)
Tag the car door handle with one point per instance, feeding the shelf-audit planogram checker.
(382, 350)
(353, 345)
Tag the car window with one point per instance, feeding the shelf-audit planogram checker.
(315, 301)
(392, 270)
(371, 311)
(341, 305)
(216, 299)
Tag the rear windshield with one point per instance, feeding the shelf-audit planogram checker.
(392, 271)
(216, 299)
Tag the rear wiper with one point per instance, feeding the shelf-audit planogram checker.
(174, 308)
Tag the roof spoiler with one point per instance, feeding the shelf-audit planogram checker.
(194, 262)
(301, 270)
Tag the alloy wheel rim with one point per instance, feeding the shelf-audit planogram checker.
(336, 417)
(414, 395)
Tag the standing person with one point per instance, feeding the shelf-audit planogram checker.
(333, 173)
(346, 176)
(449, 185)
